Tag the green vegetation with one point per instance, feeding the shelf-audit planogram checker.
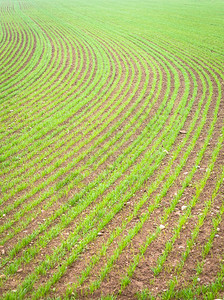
(111, 149)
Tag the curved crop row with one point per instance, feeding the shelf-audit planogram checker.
(111, 151)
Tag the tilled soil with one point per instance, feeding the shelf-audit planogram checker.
(59, 242)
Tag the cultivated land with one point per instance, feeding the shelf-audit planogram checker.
(112, 128)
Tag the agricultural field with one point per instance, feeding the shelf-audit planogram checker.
(112, 149)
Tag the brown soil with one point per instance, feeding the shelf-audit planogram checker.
(143, 276)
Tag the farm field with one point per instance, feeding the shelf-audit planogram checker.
(111, 149)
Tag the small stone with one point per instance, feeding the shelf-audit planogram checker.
(183, 207)
(216, 235)
(183, 131)
(3, 251)
(161, 227)
(3, 215)
(218, 229)
(20, 270)
(100, 234)
(198, 279)
(181, 247)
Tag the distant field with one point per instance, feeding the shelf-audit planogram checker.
(112, 149)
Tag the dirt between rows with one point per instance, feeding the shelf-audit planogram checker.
(33, 224)
(143, 277)
(68, 161)
(110, 285)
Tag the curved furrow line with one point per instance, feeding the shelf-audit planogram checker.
(173, 284)
(47, 78)
(126, 279)
(47, 66)
(30, 67)
(52, 140)
(11, 63)
(44, 87)
(56, 110)
(12, 34)
(3, 36)
(190, 244)
(111, 144)
(202, 223)
(7, 36)
(182, 220)
(6, 56)
(13, 116)
(201, 190)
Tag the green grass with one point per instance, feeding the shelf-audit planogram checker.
(111, 120)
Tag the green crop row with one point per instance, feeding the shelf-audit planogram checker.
(108, 109)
